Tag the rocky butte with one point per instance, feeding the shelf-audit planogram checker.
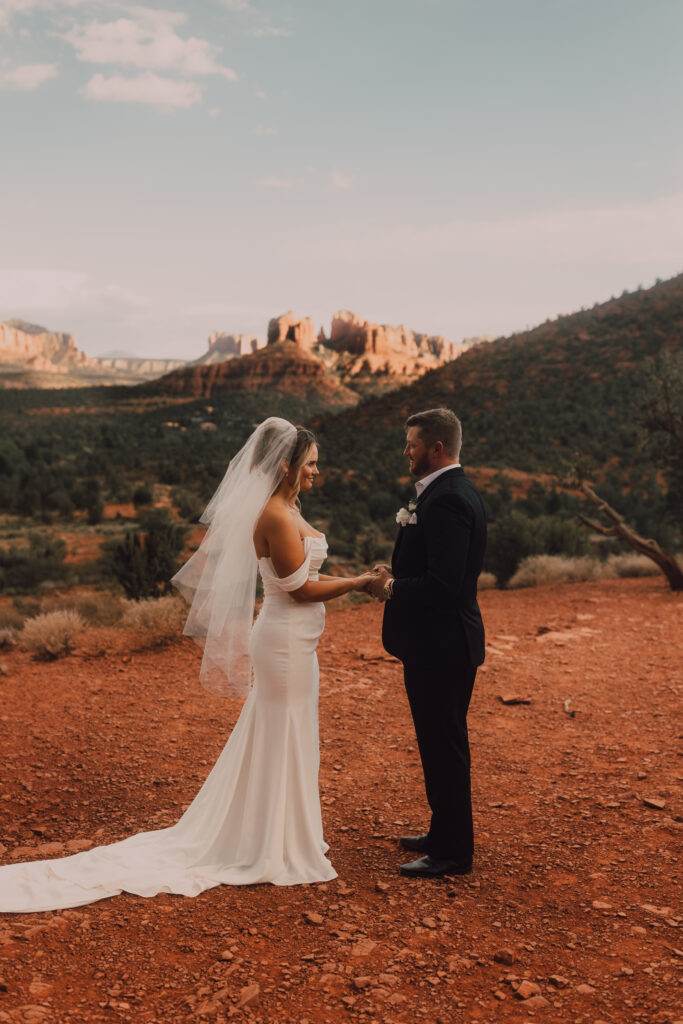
(29, 347)
(224, 346)
(372, 357)
(359, 357)
(35, 357)
(283, 366)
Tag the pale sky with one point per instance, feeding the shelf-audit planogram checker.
(460, 166)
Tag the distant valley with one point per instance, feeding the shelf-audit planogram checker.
(358, 357)
(571, 391)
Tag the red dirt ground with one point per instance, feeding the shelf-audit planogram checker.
(572, 902)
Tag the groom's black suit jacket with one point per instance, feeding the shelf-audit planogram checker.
(433, 613)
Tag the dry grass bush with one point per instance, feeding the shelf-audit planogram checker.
(8, 637)
(11, 618)
(96, 609)
(155, 622)
(102, 609)
(541, 570)
(52, 635)
(487, 581)
(630, 564)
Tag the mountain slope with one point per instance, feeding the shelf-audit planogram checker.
(284, 367)
(536, 399)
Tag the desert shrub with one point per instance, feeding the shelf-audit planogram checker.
(189, 506)
(23, 569)
(541, 570)
(8, 637)
(487, 581)
(630, 564)
(510, 540)
(340, 547)
(52, 635)
(95, 513)
(372, 548)
(143, 495)
(155, 622)
(100, 609)
(143, 562)
(515, 537)
(12, 618)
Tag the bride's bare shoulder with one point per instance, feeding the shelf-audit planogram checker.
(274, 516)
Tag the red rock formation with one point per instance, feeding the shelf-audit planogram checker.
(368, 349)
(228, 346)
(35, 348)
(283, 367)
(290, 327)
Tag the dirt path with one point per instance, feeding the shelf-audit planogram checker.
(572, 903)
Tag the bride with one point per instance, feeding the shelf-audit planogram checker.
(257, 817)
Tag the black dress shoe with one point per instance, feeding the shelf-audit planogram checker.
(433, 867)
(418, 843)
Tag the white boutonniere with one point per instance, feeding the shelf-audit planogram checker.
(407, 515)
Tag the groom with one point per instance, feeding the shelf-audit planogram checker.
(433, 625)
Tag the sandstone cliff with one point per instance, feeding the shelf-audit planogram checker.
(138, 369)
(282, 366)
(290, 327)
(224, 346)
(32, 356)
(29, 347)
(368, 354)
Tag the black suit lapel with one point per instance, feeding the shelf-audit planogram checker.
(459, 471)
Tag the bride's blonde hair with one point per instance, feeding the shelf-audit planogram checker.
(305, 439)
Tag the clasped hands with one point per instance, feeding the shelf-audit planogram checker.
(376, 582)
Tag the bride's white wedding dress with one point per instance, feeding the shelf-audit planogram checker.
(257, 816)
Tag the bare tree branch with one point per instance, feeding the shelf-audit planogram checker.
(645, 546)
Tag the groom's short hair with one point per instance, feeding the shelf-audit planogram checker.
(438, 425)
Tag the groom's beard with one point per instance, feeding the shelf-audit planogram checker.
(420, 467)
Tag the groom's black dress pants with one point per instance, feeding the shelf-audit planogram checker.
(439, 696)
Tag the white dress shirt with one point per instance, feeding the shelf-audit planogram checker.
(425, 481)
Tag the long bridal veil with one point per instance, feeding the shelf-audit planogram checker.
(257, 816)
(219, 580)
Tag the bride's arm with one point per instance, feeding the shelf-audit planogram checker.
(287, 555)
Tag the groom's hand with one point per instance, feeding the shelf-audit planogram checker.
(375, 587)
(382, 567)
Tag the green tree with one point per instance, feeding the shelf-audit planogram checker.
(144, 561)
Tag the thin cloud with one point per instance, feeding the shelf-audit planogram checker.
(163, 93)
(626, 235)
(342, 181)
(12, 8)
(261, 24)
(28, 77)
(148, 40)
(260, 130)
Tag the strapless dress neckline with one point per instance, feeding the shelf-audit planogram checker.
(322, 537)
